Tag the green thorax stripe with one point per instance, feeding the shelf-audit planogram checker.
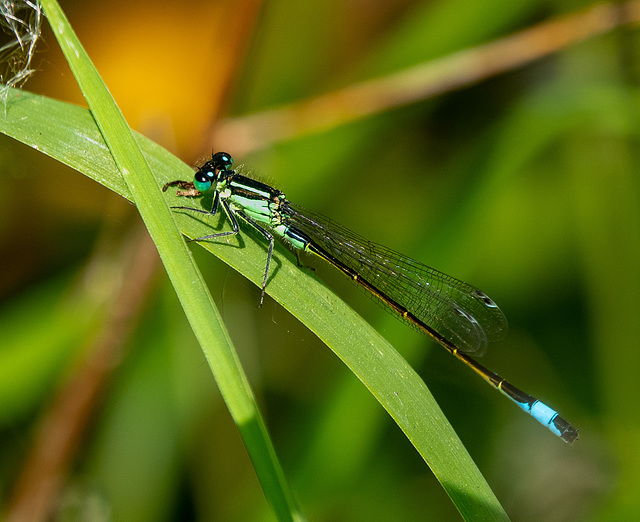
(244, 187)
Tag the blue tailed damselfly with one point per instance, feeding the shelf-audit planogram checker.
(456, 315)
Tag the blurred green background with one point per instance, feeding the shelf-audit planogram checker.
(524, 184)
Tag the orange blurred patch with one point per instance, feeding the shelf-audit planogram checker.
(166, 69)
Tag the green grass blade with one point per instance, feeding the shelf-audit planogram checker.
(184, 275)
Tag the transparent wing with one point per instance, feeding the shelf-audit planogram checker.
(459, 312)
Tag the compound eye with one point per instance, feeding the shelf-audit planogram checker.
(222, 160)
(203, 180)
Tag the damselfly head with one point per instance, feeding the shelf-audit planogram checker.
(212, 171)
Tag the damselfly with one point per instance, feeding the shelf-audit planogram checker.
(456, 315)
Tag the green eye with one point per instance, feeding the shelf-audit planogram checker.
(203, 180)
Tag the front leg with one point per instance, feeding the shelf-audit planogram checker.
(191, 190)
(231, 215)
(212, 212)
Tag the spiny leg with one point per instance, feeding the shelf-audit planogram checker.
(269, 237)
(212, 212)
(191, 190)
(178, 183)
(231, 215)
